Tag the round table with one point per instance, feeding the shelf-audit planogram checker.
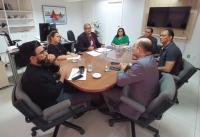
(108, 79)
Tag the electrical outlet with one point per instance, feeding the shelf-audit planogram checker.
(188, 56)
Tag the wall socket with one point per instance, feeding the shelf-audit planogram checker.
(188, 56)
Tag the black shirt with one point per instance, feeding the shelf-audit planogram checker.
(154, 42)
(172, 53)
(40, 85)
(57, 50)
(83, 42)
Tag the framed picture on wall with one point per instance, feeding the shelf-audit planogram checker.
(54, 14)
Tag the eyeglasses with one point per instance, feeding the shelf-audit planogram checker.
(42, 52)
(120, 31)
(88, 28)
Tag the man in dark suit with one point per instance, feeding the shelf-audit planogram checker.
(139, 83)
(87, 41)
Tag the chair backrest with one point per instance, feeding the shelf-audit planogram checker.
(165, 99)
(186, 73)
(70, 36)
(23, 103)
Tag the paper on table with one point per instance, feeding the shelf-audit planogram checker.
(75, 73)
(103, 49)
(93, 53)
(76, 57)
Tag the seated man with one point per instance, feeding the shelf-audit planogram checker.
(87, 41)
(40, 81)
(148, 34)
(139, 83)
(171, 57)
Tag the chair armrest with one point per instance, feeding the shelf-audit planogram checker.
(138, 107)
(176, 78)
(48, 112)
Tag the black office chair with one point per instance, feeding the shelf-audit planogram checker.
(50, 117)
(71, 36)
(186, 73)
(154, 111)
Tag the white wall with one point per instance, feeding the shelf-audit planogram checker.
(132, 17)
(74, 21)
(74, 15)
(192, 47)
(109, 16)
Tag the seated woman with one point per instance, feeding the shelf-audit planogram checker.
(55, 47)
(121, 38)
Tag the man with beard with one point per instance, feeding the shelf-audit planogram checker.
(40, 81)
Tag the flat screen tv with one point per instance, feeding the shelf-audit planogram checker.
(169, 17)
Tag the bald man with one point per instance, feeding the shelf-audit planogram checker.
(139, 83)
(87, 41)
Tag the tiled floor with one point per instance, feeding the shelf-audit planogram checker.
(181, 120)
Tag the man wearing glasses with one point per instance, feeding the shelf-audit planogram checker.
(171, 57)
(88, 41)
(40, 81)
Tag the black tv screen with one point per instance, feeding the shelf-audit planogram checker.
(169, 17)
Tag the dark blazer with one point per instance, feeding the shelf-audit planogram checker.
(83, 42)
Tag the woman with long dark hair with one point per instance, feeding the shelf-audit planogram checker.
(121, 38)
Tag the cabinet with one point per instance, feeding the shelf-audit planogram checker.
(16, 16)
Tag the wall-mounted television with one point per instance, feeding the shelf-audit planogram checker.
(169, 17)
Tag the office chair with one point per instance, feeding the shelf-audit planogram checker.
(50, 117)
(71, 36)
(186, 73)
(154, 111)
(9, 41)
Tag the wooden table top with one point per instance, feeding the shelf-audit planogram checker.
(108, 79)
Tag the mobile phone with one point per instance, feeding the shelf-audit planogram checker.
(77, 77)
(115, 63)
(115, 68)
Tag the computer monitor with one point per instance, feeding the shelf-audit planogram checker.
(45, 29)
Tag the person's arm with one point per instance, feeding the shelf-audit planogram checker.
(113, 42)
(168, 66)
(126, 41)
(61, 57)
(80, 44)
(133, 75)
(97, 43)
(52, 88)
(171, 58)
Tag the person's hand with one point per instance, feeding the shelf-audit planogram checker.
(51, 58)
(91, 48)
(63, 73)
(123, 66)
(134, 58)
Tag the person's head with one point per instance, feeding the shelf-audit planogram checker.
(33, 52)
(53, 37)
(120, 32)
(142, 47)
(148, 32)
(166, 36)
(87, 28)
